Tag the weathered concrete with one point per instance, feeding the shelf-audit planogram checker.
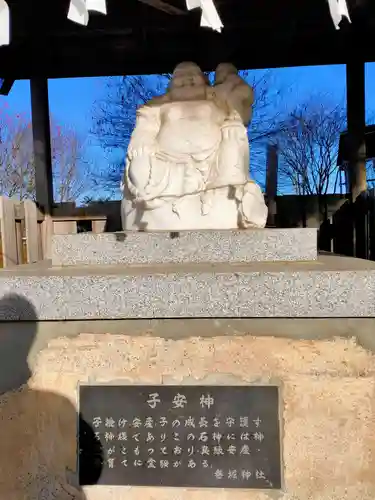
(15, 337)
(330, 287)
(134, 248)
(328, 411)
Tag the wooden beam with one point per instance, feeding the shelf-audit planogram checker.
(271, 183)
(6, 86)
(19, 211)
(356, 117)
(165, 7)
(31, 231)
(8, 232)
(42, 144)
(159, 51)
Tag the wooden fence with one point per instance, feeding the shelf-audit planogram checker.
(351, 230)
(21, 226)
(26, 233)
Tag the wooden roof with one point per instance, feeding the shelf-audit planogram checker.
(136, 38)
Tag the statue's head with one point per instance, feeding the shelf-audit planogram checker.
(223, 71)
(187, 74)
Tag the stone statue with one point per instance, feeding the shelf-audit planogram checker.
(234, 91)
(188, 159)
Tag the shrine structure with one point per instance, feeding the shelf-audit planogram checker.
(194, 364)
(152, 36)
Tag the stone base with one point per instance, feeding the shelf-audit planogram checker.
(134, 248)
(328, 411)
(331, 287)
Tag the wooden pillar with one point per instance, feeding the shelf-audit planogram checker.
(271, 183)
(356, 110)
(42, 144)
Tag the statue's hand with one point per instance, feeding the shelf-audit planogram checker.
(233, 131)
(137, 173)
(139, 152)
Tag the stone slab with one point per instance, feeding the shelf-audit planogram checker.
(194, 411)
(134, 248)
(327, 407)
(332, 287)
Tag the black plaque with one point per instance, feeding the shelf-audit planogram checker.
(187, 436)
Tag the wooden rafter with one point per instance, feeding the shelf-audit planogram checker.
(5, 86)
(134, 39)
(165, 7)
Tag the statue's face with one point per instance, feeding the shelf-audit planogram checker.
(187, 75)
(223, 71)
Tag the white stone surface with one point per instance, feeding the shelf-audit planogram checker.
(329, 287)
(190, 247)
(233, 91)
(188, 159)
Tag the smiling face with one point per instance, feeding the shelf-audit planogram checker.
(188, 81)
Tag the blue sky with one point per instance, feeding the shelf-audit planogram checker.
(71, 100)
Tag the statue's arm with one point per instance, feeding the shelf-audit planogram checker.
(246, 95)
(242, 99)
(143, 139)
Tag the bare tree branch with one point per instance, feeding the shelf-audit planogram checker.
(308, 146)
(72, 175)
(17, 166)
(114, 118)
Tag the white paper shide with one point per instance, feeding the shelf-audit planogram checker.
(79, 13)
(338, 10)
(210, 17)
(79, 10)
(4, 23)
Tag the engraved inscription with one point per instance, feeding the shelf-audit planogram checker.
(225, 437)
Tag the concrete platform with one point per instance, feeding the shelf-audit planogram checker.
(133, 248)
(331, 287)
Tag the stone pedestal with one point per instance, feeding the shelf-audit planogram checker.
(185, 247)
(215, 308)
(327, 410)
(329, 287)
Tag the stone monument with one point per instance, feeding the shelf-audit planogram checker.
(187, 163)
